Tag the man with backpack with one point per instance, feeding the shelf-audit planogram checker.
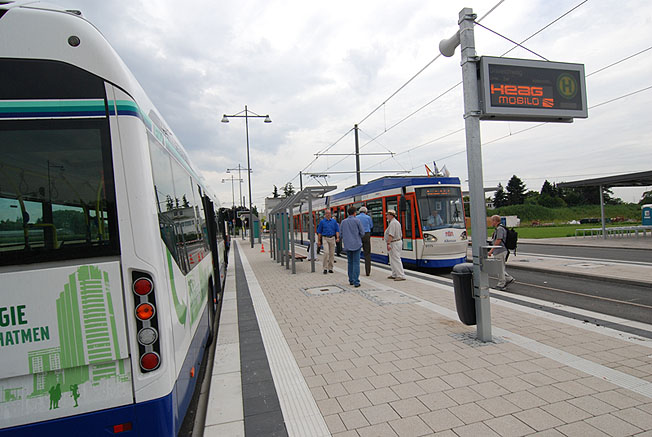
(500, 252)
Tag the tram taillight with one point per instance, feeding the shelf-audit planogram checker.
(143, 286)
(144, 311)
(150, 361)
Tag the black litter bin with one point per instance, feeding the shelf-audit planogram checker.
(463, 284)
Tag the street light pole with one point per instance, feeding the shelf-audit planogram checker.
(246, 116)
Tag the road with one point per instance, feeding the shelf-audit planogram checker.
(586, 252)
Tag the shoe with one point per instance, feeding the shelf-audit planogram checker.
(330, 271)
(357, 285)
(399, 279)
(501, 287)
(391, 277)
(367, 274)
(334, 261)
(509, 281)
(325, 271)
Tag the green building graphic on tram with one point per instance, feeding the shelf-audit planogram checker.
(88, 351)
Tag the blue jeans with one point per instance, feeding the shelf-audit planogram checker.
(353, 258)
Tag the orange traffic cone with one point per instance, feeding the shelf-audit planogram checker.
(262, 248)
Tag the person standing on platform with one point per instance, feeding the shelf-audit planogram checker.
(367, 225)
(500, 252)
(394, 239)
(352, 233)
(329, 232)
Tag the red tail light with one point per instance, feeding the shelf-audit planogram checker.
(121, 428)
(143, 286)
(150, 361)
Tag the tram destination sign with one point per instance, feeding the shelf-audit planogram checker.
(528, 90)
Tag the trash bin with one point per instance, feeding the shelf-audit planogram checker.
(463, 285)
(646, 215)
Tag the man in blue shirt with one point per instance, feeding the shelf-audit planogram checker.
(352, 233)
(367, 225)
(328, 231)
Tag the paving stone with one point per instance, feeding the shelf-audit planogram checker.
(334, 423)
(498, 406)
(470, 413)
(538, 419)
(580, 429)
(524, 399)
(474, 430)
(613, 426)
(353, 419)
(566, 412)
(408, 390)
(380, 430)
(381, 395)
(353, 402)
(409, 407)
(441, 420)
(636, 417)
(410, 427)
(329, 406)
(509, 426)
(379, 413)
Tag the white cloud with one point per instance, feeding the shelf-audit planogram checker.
(319, 68)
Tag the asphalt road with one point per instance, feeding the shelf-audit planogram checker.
(602, 253)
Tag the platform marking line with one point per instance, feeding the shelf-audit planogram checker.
(616, 377)
(300, 411)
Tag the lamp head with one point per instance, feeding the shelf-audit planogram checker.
(267, 119)
(225, 119)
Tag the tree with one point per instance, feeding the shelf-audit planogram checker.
(548, 189)
(168, 203)
(646, 198)
(186, 204)
(288, 189)
(587, 196)
(515, 191)
(500, 198)
(275, 192)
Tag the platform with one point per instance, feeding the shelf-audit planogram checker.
(309, 355)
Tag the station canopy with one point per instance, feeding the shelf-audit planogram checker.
(640, 179)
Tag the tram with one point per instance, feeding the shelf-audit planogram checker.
(430, 209)
(111, 245)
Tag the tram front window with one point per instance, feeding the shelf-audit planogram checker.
(440, 207)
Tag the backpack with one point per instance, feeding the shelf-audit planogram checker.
(511, 239)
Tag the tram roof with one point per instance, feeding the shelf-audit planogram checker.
(390, 182)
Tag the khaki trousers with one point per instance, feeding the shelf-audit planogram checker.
(329, 252)
(395, 259)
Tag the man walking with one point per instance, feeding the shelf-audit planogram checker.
(367, 225)
(500, 253)
(352, 233)
(328, 232)
(394, 239)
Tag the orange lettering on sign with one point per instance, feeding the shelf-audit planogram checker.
(514, 90)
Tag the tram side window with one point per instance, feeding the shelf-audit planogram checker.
(56, 191)
(375, 208)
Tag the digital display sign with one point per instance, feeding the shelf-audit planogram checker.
(528, 90)
(439, 191)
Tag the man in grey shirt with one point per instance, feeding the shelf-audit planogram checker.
(352, 232)
(500, 252)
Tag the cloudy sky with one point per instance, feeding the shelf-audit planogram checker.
(318, 68)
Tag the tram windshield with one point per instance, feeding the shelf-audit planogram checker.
(440, 207)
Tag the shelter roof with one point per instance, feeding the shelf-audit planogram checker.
(302, 196)
(640, 179)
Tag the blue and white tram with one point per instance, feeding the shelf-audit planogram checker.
(431, 213)
(111, 252)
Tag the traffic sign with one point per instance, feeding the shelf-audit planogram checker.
(529, 90)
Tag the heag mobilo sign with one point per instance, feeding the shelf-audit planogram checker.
(528, 90)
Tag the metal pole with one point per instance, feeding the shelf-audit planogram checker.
(312, 235)
(251, 212)
(357, 155)
(604, 226)
(474, 163)
(287, 240)
(293, 254)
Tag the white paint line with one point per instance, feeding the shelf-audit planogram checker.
(300, 411)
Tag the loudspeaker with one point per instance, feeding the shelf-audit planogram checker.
(447, 46)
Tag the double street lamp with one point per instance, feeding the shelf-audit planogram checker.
(246, 114)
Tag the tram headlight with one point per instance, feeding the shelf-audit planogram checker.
(429, 238)
(463, 235)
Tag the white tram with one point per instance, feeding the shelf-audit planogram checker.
(111, 254)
